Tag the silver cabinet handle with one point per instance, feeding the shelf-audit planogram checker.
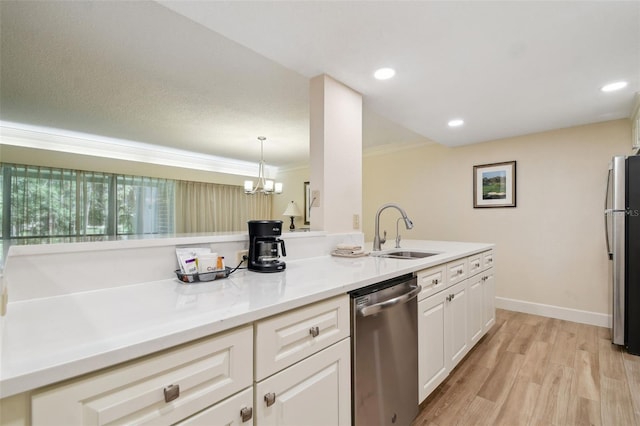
(246, 414)
(171, 392)
(314, 331)
(270, 399)
(365, 311)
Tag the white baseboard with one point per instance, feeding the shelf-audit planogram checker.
(575, 315)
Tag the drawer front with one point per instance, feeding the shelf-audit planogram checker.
(235, 411)
(476, 264)
(159, 389)
(431, 280)
(290, 337)
(487, 259)
(457, 270)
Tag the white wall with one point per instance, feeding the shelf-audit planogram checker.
(550, 248)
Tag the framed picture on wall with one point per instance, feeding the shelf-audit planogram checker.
(494, 185)
(307, 204)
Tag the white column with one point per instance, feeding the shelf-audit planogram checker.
(336, 155)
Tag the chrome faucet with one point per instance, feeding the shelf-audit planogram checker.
(377, 241)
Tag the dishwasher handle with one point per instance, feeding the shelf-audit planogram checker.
(365, 311)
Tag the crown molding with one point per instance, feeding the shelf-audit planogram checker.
(51, 139)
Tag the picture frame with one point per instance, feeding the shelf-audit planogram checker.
(307, 204)
(494, 185)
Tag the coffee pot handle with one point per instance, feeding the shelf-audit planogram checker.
(284, 251)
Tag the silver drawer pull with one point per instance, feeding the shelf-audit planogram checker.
(434, 282)
(314, 331)
(171, 392)
(270, 399)
(246, 414)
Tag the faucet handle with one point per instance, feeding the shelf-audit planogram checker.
(384, 237)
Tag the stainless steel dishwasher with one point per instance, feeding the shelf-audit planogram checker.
(384, 355)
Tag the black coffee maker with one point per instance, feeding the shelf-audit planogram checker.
(264, 246)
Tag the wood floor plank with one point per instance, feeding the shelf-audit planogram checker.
(587, 375)
(632, 371)
(551, 407)
(495, 350)
(518, 408)
(583, 411)
(564, 348)
(498, 384)
(523, 339)
(536, 361)
(461, 389)
(611, 365)
(617, 407)
(587, 338)
(479, 412)
(548, 330)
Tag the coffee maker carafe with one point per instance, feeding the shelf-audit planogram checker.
(265, 246)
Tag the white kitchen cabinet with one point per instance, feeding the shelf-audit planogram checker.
(442, 336)
(487, 259)
(431, 280)
(475, 289)
(432, 341)
(290, 337)
(234, 411)
(313, 392)
(457, 270)
(453, 317)
(303, 366)
(457, 313)
(160, 389)
(489, 294)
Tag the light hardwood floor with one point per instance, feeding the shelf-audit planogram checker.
(533, 370)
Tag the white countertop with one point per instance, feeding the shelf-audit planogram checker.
(47, 340)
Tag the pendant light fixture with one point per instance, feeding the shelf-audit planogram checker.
(264, 185)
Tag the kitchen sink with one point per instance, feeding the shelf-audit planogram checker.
(407, 254)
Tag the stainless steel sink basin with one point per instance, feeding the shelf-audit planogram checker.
(407, 254)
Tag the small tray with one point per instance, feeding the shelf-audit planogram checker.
(206, 276)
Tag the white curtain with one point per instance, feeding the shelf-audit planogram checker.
(210, 207)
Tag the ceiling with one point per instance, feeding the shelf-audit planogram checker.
(211, 76)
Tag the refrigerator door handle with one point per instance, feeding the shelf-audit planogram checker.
(607, 212)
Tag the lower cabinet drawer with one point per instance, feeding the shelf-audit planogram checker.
(237, 410)
(431, 280)
(290, 337)
(158, 389)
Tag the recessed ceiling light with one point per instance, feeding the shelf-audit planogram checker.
(456, 122)
(384, 73)
(612, 87)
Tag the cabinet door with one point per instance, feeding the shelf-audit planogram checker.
(314, 392)
(432, 343)
(228, 412)
(475, 288)
(489, 290)
(458, 322)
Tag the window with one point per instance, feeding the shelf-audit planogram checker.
(42, 204)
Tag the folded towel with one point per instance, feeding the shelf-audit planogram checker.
(348, 247)
(349, 252)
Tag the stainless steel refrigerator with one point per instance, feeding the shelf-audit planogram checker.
(622, 229)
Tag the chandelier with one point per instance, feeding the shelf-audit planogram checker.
(264, 185)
